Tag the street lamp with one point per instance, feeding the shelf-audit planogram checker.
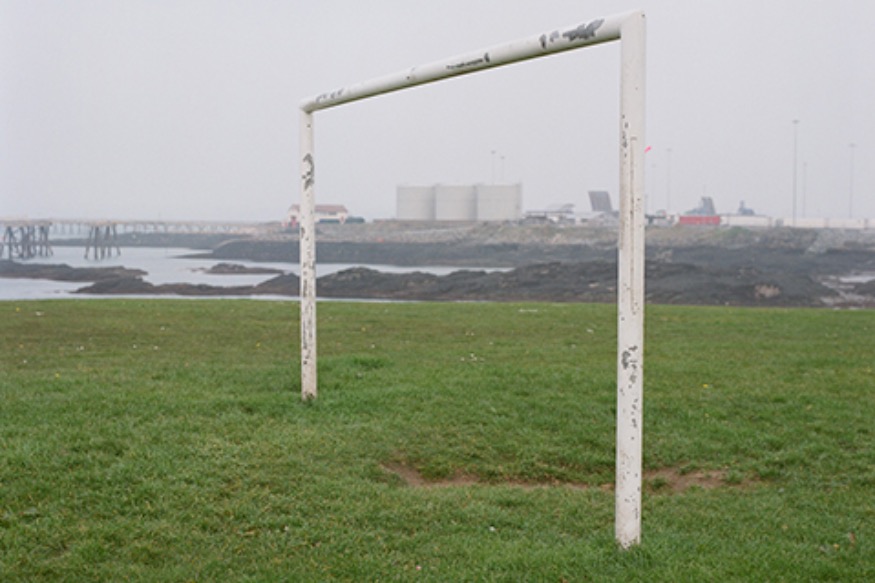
(804, 187)
(852, 146)
(795, 150)
(668, 181)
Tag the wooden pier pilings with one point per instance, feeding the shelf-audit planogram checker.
(101, 241)
(26, 240)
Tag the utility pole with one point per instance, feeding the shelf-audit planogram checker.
(795, 172)
(668, 181)
(852, 146)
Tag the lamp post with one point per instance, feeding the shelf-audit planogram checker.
(804, 187)
(852, 146)
(795, 151)
(668, 181)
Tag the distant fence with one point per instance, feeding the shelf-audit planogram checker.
(799, 223)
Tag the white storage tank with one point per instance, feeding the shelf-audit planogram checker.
(455, 203)
(499, 202)
(415, 203)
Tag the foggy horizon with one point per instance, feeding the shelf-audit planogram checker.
(189, 110)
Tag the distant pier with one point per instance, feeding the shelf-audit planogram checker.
(28, 238)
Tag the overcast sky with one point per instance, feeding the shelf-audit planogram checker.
(188, 109)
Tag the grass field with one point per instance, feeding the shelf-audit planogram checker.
(165, 440)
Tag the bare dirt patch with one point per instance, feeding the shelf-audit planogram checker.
(674, 481)
(661, 481)
(412, 477)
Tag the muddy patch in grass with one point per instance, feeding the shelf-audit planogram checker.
(675, 481)
(411, 477)
(661, 481)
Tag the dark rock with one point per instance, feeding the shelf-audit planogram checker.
(865, 289)
(283, 285)
(666, 283)
(63, 272)
(120, 285)
(287, 285)
(236, 269)
(582, 282)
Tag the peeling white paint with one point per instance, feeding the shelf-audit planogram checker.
(308, 260)
(630, 285)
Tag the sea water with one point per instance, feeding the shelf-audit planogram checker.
(170, 265)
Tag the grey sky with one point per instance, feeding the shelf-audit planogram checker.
(188, 109)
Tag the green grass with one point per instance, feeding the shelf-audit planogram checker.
(166, 441)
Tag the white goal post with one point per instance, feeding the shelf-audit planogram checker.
(629, 28)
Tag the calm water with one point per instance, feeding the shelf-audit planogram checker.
(166, 266)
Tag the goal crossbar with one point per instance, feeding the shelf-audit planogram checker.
(629, 28)
(594, 32)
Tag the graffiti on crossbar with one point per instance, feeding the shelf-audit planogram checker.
(473, 63)
(585, 31)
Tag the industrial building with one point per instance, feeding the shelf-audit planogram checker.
(602, 211)
(476, 202)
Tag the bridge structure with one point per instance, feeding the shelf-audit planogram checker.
(29, 238)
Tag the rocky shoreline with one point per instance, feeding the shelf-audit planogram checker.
(776, 267)
(666, 283)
